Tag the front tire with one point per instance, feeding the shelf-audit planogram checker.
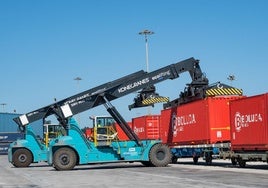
(64, 159)
(22, 158)
(160, 155)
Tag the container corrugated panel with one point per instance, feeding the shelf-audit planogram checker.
(146, 127)
(4, 148)
(8, 125)
(10, 137)
(249, 128)
(201, 122)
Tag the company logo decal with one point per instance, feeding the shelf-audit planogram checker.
(179, 122)
(138, 130)
(244, 120)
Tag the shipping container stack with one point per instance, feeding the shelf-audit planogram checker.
(190, 129)
(8, 131)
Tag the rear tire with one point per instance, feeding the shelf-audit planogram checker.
(22, 158)
(234, 161)
(174, 160)
(195, 159)
(64, 159)
(242, 163)
(208, 158)
(160, 155)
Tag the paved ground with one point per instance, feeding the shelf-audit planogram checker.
(128, 175)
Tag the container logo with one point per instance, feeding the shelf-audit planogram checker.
(244, 120)
(179, 122)
(138, 130)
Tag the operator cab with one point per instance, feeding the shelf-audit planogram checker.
(104, 131)
(51, 131)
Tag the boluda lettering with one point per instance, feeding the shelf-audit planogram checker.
(186, 120)
(178, 123)
(133, 85)
(244, 120)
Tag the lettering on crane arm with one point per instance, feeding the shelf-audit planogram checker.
(133, 85)
(77, 100)
(161, 75)
(179, 122)
(32, 113)
(244, 120)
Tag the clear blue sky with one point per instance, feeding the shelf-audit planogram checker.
(44, 45)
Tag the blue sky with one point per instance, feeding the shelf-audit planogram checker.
(44, 45)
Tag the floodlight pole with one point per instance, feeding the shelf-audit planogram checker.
(146, 33)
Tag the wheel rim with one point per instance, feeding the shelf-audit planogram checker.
(64, 159)
(22, 158)
(160, 155)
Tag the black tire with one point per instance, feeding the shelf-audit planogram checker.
(208, 158)
(64, 159)
(22, 158)
(242, 163)
(160, 155)
(195, 159)
(174, 159)
(234, 161)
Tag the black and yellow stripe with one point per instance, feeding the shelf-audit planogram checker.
(224, 91)
(154, 100)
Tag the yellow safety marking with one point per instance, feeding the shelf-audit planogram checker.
(155, 100)
(224, 91)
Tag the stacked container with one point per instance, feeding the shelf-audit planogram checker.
(249, 128)
(7, 138)
(9, 131)
(147, 127)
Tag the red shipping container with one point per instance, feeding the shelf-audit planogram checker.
(249, 126)
(88, 132)
(120, 133)
(146, 127)
(204, 121)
